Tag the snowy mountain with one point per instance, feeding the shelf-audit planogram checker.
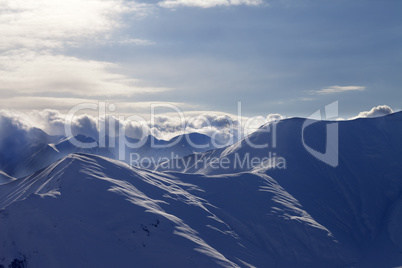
(5, 178)
(352, 200)
(91, 211)
(88, 211)
(34, 149)
(36, 153)
(368, 139)
(153, 151)
(17, 144)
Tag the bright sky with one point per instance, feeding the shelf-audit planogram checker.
(282, 56)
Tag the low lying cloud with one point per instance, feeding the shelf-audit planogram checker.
(380, 110)
(224, 128)
(274, 117)
(50, 121)
(338, 89)
(208, 3)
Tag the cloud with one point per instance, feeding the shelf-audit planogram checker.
(337, 89)
(221, 127)
(27, 73)
(380, 110)
(57, 23)
(66, 104)
(33, 72)
(50, 121)
(20, 137)
(305, 99)
(208, 3)
(225, 128)
(135, 41)
(274, 117)
(9, 125)
(13, 137)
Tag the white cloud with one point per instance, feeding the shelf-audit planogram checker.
(28, 73)
(50, 121)
(136, 41)
(33, 73)
(338, 89)
(56, 23)
(33, 35)
(380, 110)
(305, 99)
(274, 117)
(208, 3)
(26, 104)
(225, 128)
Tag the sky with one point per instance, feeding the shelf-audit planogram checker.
(289, 57)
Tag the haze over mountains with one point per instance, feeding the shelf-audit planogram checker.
(200, 133)
(29, 153)
(88, 210)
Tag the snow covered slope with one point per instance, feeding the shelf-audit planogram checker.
(89, 211)
(153, 151)
(5, 178)
(40, 155)
(368, 139)
(356, 200)
(17, 144)
(32, 150)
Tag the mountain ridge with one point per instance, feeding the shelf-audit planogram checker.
(102, 212)
(182, 201)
